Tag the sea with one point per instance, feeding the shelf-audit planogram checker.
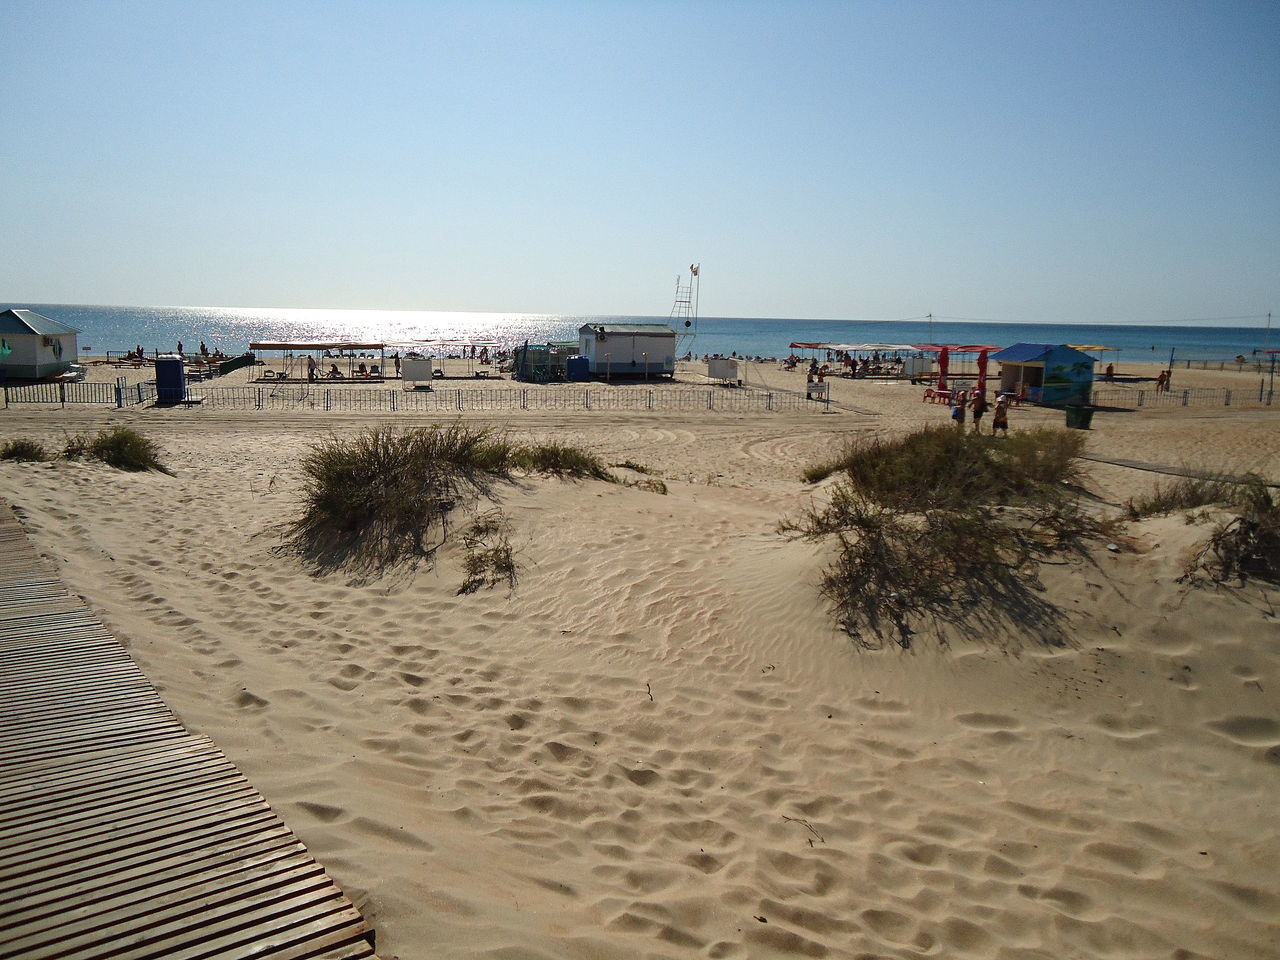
(232, 329)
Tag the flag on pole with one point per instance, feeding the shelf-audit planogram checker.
(693, 269)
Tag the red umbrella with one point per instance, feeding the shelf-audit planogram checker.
(982, 373)
(943, 357)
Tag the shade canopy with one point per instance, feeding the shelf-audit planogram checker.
(954, 347)
(314, 345)
(854, 347)
(1089, 346)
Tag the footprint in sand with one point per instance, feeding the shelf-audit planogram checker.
(1247, 730)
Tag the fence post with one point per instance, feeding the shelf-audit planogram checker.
(586, 399)
(62, 393)
(328, 401)
(1186, 397)
(524, 399)
(768, 401)
(459, 392)
(6, 396)
(393, 401)
(1142, 396)
(259, 398)
(650, 399)
(1228, 403)
(711, 400)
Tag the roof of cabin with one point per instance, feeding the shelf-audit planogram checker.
(651, 329)
(18, 322)
(1036, 352)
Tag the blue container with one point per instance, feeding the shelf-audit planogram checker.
(171, 380)
(578, 368)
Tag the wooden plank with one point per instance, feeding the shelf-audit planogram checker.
(122, 834)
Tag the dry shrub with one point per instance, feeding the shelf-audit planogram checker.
(489, 560)
(1246, 546)
(384, 496)
(24, 450)
(947, 523)
(561, 460)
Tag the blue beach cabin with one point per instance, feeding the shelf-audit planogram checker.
(1052, 375)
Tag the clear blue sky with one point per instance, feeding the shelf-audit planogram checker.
(1016, 161)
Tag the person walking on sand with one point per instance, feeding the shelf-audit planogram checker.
(1000, 418)
(978, 405)
(1162, 382)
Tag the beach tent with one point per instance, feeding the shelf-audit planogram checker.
(628, 349)
(33, 346)
(1054, 375)
(293, 352)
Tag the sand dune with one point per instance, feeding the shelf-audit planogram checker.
(659, 745)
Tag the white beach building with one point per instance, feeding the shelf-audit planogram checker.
(624, 349)
(33, 346)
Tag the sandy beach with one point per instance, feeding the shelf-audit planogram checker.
(660, 743)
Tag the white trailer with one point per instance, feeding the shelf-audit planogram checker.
(628, 349)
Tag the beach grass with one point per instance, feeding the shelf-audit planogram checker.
(489, 559)
(940, 464)
(560, 460)
(24, 450)
(1185, 493)
(1246, 545)
(945, 522)
(386, 496)
(121, 447)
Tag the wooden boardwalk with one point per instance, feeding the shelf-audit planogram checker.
(122, 834)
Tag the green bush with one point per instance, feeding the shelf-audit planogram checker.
(28, 450)
(121, 447)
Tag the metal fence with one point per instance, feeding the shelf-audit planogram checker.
(60, 394)
(304, 397)
(1194, 397)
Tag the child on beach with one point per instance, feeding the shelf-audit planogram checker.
(957, 415)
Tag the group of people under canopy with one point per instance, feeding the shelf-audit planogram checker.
(308, 359)
(360, 360)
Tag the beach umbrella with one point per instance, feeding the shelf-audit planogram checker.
(982, 373)
(943, 358)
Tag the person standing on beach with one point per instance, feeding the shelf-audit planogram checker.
(311, 368)
(957, 414)
(979, 406)
(1000, 419)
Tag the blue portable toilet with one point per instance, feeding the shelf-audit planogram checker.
(578, 368)
(171, 379)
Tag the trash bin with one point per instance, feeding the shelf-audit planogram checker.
(1079, 417)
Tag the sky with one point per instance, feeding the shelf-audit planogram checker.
(1023, 161)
